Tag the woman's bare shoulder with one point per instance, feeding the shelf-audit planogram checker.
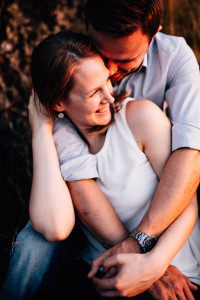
(143, 111)
(145, 118)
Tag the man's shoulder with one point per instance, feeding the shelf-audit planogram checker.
(167, 43)
(62, 126)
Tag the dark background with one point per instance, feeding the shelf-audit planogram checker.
(22, 25)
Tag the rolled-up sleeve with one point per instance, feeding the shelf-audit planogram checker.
(183, 98)
(76, 163)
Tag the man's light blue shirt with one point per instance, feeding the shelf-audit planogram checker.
(169, 72)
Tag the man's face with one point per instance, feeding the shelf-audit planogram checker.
(122, 55)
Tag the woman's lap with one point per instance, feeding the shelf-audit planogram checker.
(75, 285)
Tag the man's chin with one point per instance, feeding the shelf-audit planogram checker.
(117, 77)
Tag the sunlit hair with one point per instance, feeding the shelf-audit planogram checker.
(55, 62)
(123, 17)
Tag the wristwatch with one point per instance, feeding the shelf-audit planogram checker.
(145, 241)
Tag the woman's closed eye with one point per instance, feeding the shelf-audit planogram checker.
(95, 92)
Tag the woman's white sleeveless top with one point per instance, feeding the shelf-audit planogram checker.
(128, 180)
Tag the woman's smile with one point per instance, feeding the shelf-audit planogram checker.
(103, 111)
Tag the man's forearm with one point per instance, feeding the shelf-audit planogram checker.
(96, 212)
(177, 186)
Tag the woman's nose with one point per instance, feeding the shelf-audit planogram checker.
(107, 97)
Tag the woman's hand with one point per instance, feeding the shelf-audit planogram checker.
(135, 274)
(38, 116)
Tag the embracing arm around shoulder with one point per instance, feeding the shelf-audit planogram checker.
(178, 172)
(51, 209)
(134, 278)
(152, 131)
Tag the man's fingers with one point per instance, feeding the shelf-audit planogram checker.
(98, 263)
(111, 261)
(94, 269)
(192, 286)
(104, 284)
(111, 272)
(109, 293)
(188, 294)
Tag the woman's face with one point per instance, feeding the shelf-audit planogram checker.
(88, 103)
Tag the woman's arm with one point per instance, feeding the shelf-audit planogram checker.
(51, 209)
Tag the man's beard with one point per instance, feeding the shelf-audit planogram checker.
(118, 76)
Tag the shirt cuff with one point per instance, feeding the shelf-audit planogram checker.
(185, 136)
(87, 168)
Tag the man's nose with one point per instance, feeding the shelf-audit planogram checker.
(112, 66)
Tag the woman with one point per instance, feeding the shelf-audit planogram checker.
(70, 78)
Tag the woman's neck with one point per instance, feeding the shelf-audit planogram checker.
(95, 142)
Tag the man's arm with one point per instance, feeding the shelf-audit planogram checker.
(177, 186)
(181, 175)
(137, 272)
(96, 213)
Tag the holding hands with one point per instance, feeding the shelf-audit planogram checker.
(127, 274)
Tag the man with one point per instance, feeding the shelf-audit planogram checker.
(153, 66)
(156, 67)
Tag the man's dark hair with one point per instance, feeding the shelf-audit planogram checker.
(123, 17)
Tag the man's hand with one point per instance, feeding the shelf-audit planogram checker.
(127, 246)
(173, 285)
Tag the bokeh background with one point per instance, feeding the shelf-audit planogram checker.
(23, 24)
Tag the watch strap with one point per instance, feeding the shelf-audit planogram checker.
(145, 241)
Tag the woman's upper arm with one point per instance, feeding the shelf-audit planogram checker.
(152, 131)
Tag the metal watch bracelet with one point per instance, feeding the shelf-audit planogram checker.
(145, 241)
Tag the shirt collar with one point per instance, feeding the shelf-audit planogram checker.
(144, 63)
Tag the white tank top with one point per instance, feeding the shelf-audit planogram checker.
(128, 180)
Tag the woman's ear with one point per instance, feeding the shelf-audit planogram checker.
(59, 107)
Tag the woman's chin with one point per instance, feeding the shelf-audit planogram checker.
(103, 119)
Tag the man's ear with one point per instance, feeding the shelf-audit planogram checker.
(59, 107)
(159, 29)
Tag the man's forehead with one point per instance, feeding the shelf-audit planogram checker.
(118, 48)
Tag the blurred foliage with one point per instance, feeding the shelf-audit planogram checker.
(182, 18)
(22, 25)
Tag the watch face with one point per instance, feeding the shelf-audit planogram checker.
(149, 243)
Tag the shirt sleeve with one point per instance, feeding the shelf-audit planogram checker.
(183, 98)
(75, 161)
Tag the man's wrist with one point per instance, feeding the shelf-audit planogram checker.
(145, 241)
(135, 246)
